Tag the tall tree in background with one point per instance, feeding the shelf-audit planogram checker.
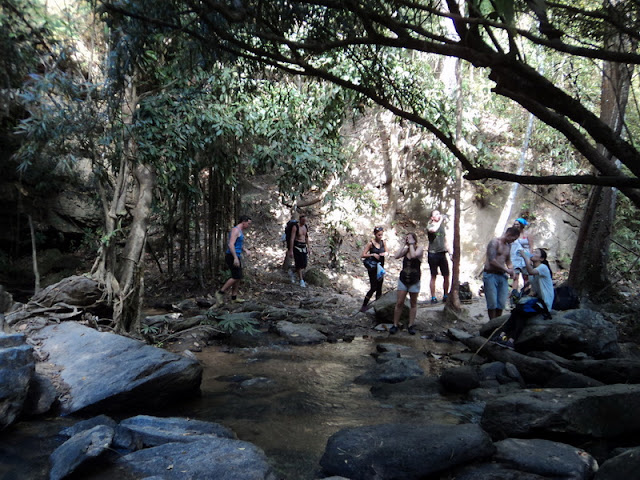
(345, 43)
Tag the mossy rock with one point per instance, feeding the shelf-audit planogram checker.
(315, 276)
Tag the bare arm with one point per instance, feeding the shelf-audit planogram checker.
(365, 252)
(402, 251)
(531, 270)
(292, 239)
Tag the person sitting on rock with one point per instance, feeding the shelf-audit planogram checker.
(540, 300)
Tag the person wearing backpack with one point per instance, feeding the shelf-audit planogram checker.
(287, 264)
(299, 247)
(233, 259)
(372, 256)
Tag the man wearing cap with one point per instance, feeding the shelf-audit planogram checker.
(525, 243)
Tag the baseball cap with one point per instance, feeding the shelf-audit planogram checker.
(522, 221)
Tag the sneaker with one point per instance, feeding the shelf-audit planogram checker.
(393, 330)
(303, 284)
(237, 300)
(219, 299)
(292, 276)
(411, 330)
(434, 300)
(444, 299)
(364, 308)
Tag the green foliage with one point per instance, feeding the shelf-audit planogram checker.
(149, 329)
(244, 325)
(625, 250)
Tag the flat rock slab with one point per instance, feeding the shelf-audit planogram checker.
(403, 451)
(297, 334)
(107, 372)
(206, 459)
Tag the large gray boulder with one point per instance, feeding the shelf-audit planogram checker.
(17, 368)
(402, 451)
(571, 332)
(107, 372)
(211, 458)
(600, 412)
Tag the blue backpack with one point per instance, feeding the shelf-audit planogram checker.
(530, 306)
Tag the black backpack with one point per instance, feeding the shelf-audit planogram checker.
(566, 298)
(287, 230)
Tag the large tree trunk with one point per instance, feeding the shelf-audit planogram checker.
(588, 272)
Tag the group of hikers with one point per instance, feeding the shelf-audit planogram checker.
(507, 258)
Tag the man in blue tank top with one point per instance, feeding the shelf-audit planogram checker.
(233, 259)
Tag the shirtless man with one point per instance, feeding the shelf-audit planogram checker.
(299, 247)
(497, 271)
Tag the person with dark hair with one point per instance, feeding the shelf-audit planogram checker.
(497, 271)
(299, 248)
(541, 277)
(539, 302)
(409, 281)
(437, 254)
(372, 256)
(233, 259)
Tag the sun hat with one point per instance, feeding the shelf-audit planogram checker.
(522, 221)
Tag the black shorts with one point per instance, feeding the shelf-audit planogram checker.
(436, 260)
(300, 254)
(236, 272)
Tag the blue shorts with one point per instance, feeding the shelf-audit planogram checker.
(496, 290)
(415, 288)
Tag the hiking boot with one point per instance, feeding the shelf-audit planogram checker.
(411, 329)
(303, 284)
(434, 300)
(393, 330)
(219, 299)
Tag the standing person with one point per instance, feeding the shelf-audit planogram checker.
(299, 248)
(437, 254)
(233, 259)
(409, 281)
(373, 255)
(524, 242)
(497, 270)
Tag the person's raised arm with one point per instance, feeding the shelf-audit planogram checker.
(531, 270)
(402, 251)
(432, 227)
(415, 252)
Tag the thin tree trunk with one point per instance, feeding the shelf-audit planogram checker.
(34, 256)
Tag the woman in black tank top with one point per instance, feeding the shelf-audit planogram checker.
(373, 255)
(409, 281)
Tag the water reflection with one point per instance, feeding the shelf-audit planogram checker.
(287, 400)
(290, 400)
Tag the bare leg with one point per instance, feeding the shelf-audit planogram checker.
(413, 301)
(432, 286)
(231, 283)
(402, 295)
(492, 313)
(445, 285)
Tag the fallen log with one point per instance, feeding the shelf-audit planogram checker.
(534, 370)
(609, 371)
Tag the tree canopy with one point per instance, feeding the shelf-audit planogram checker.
(350, 43)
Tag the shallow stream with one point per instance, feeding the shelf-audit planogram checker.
(288, 400)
